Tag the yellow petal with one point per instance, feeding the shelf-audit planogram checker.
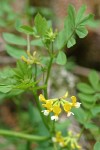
(67, 107)
(42, 98)
(56, 109)
(65, 96)
(73, 99)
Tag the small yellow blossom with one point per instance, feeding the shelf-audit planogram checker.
(59, 139)
(70, 139)
(42, 98)
(56, 105)
(48, 105)
(31, 58)
(74, 103)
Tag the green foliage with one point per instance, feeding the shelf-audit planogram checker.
(85, 88)
(15, 52)
(89, 92)
(81, 115)
(7, 14)
(14, 39)
(32, 73)
(40, 24)
(89, 97)
(26, 29)
(74, 24)
(94, 79)
(96, 146)
(61, 58)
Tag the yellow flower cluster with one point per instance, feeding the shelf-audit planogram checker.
(32, 59)
(55, 105)
(68, 140)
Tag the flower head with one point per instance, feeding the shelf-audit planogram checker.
(70, 139)
(56, 105)
(31, 58)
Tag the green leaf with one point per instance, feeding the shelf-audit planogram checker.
(61, 39)
(87, 19)
(40, 24)
(37, 42)
(26, 29)
(94, 79)
(90, 126)
(15, 52)
(97, 96)
(85, 88)
(87, 97)
(97, 146)
(5, 88)
(81, 31)
(80, 14)
(80, 115)
(61, 58)
(95, 110)
(14, 39)
(71, 14)
(87, 105)
(33, 114)
(71, 42)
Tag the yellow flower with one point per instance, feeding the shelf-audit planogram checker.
(67, 107)
(59, 139)
(42, 98)
(56, 110)
(32, 59)
(74, 103)
(48, 105)
(57, 104)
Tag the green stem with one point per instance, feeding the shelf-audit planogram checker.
(48, 72)
(39, 108)
(35, 77)
(83, 128)
(28, 146)
(55, 147)
(81, 132)
(49, 69)
(23, 136)
(53, 127)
